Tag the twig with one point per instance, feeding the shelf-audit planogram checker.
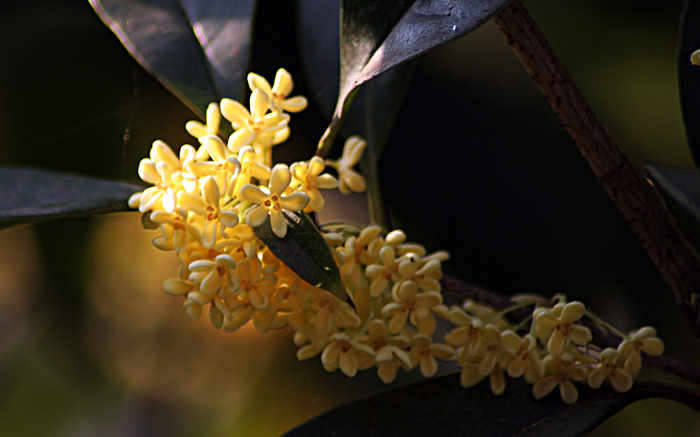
(499, 302)
(631, 195)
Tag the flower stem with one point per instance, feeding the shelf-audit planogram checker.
(631, 195)
(328, 137)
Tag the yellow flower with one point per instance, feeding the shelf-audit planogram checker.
(278, 92)
(222, 166)
(471, 376)
(271, 201)
(382, 273)
(560, 371)
(389, 353)
(175, 228)
(333, 313)
(209, 207)
(309, 179)
(257, 282)
(250, 168)
(526, 357)
(350, 180)
(412, 305)
(250, 124)
(558, 325)
(359, 250)
(468, 334)
(217, 276)
(610, 368)
(424, 353)
(345, 353)
(643, 340)
(168, 175)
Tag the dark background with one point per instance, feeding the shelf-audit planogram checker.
(477, 164)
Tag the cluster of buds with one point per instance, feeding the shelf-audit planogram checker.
(207, 202)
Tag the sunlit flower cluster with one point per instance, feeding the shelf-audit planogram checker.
(552, 350)
(207, 201)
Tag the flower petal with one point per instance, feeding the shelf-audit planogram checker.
(278, 224)
(256, 216)
(234, 112)
(283, 84)
(295, 201)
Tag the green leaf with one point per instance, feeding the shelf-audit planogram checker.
(680, 193)
(377, 36)
(305, 252)
(375, 106)
(28, 194)
(689, 75)
(441, 407)
(198, 49)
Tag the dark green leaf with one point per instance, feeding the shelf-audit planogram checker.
(29, 194)
(689, 75)
(441, 407)
(680, 192)
(198, 49)
(305, 252)
(378, 36)
(376, 105)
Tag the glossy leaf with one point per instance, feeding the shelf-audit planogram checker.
(689, 75)
(305, 252)
(198, 49)
(680, 192)
(28, 194)
(375, 106)
(441, 407)
(378, 36)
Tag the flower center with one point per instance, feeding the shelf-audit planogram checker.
(213, 214)
(248, 287)
(255, 125)
(273, 203)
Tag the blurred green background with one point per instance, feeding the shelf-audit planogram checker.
(477, 164)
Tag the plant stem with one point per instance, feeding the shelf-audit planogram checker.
(499, 302)
(328, 137)
(646, 218)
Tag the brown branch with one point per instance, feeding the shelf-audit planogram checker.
(631, 195)
(469, 291)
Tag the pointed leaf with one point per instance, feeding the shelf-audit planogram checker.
(441, 407)
(680, 192)
(689, 75)
(198, 49)
(376, 37)
(28, 194)
(305, 252)
(375, 106)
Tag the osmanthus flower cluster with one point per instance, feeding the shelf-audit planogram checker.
(207, 200)
(551, 350)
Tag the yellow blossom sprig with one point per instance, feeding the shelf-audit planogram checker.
(557, 352)
(207, 201)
